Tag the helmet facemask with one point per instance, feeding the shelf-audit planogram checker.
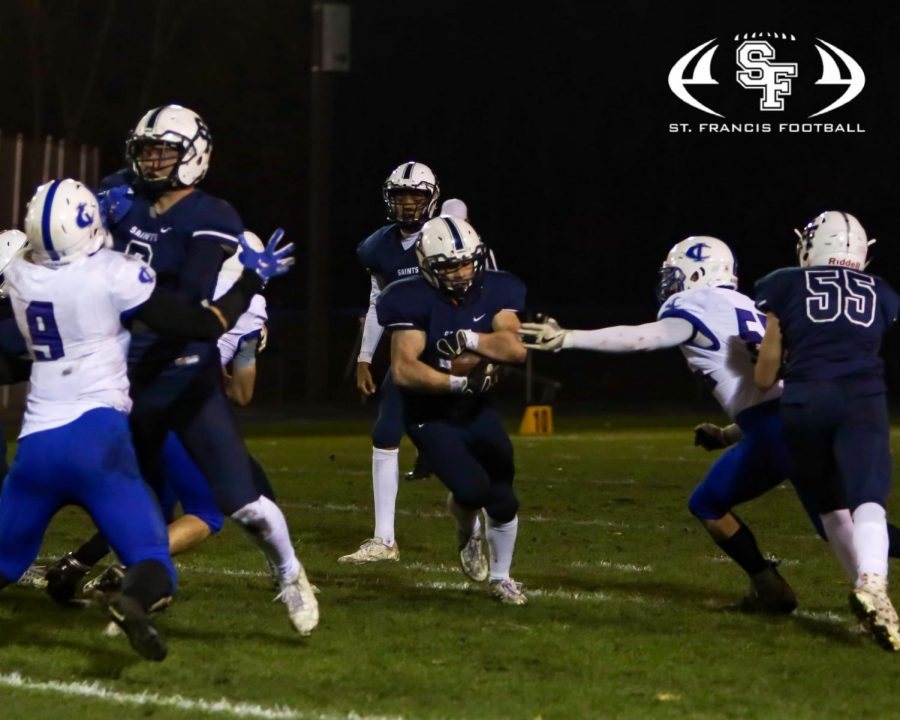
(408, 207)
(671, 281)
(454, 276)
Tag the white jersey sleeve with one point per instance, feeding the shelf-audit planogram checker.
(665, 333)
(722, 350)
(71, 319)
(372, 330)
(131, 282)
(248, 325)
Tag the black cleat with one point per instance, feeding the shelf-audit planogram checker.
(420, 470)
(127, 613)
(64, 578)
(107, 582)
(769, 594)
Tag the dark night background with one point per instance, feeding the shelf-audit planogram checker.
(550, 121)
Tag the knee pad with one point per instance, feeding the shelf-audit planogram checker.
(502, 505)
(386, 434)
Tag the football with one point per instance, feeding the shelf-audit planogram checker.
(465, 363)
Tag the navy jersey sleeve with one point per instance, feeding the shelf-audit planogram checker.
(399, 308)
(215, 220)
(888, 301)
(511, 291)
(771, 291)
(368, 252)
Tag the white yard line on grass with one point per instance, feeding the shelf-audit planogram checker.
(95, 691)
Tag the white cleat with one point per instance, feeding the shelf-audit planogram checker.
(871, 603)
(508, 591)
(303, 608)
(371, 551)
(472, 558)
(34, 577)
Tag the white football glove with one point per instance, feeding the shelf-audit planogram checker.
(547, 335)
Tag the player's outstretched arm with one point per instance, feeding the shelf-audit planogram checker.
(665, 333)
(768, 363)
(410, 372)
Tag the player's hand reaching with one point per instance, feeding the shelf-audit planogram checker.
(546, 335)
(713, 437)
(271, 262)
(115, 204)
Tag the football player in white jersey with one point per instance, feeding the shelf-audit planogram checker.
(718, 330)
(72, 297)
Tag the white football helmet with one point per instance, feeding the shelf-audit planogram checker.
(179, 128)
(63, 223)
(454, 207)
(411, 177)
(232, 267)
(833, 238)
(697, 261)
(446, 244)
(12, 243)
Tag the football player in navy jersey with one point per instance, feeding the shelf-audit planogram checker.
(410, 195)
(155, 210)
(452, 308)
(825, 322)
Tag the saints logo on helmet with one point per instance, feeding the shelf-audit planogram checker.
(169, 148)
(63, 224)
(451, 255)
(833, 238)
(697, 261)
(410, 195)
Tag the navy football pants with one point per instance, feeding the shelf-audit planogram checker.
(474, 459)
(840, 447)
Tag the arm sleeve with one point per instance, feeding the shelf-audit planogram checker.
(167, 313)
(372, 330)
(665, 333)
(246, 351)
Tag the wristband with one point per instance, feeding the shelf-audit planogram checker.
(458, 384)
(471, 339)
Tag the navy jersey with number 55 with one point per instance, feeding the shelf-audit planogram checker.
(832, 321)
(413, 304)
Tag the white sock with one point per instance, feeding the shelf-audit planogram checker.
(501, 539)
(466, 518)
(839, 531)
(265, 524)
(385, 483)
(870, 538)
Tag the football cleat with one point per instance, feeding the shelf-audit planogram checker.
(508, 591)
(64, 578)
(870, 601)
(769, 594)
(420, 470)
(127, 613)
(472, 558)
(303, 608)
(371, 551)
(108, 581)
(34, 577)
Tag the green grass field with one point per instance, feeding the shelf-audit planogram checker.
(629, 613)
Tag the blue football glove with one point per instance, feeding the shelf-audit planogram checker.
(271, 262)
(115, 204)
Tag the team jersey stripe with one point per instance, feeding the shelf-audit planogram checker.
(45, 220)
(407, 174)
(454, 231)
(216, 234)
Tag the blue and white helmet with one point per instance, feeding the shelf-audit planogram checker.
(416, 177)
(179, 128)
(62, 223)
(697, 261)
(833, 238)
(446, 243)
(12, 243)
